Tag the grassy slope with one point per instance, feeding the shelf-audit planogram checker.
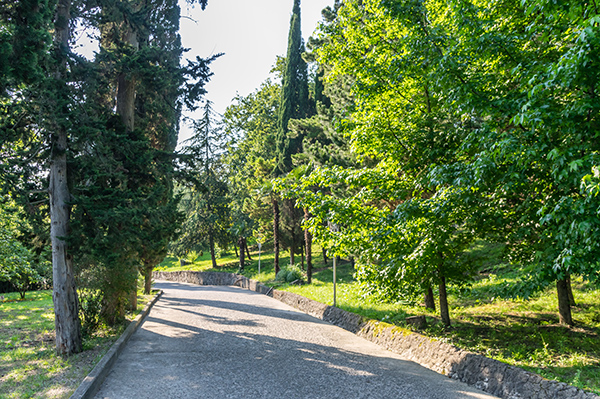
(524, 333)
(29, 366)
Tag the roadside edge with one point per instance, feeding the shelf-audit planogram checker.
(91, 383)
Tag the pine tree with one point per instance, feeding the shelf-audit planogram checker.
(205, 204)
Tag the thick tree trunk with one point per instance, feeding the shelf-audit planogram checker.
(308, 240)
(148, 279)
(564, 306)
(126, 86)
(444, 311)
(126, 110)
(429, 299)
(211, 244)
(276, 233)
(64, 293)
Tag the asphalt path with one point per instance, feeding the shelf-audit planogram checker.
(226, 342)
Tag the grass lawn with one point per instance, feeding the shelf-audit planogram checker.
(524, 333)
(29, 366)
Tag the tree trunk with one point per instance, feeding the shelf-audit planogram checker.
(132, 301)
(276, 234)
(64, 293)
(148, 279)
(308, 239)
(292, 259)
(570, 291)
(247, 250)
(241, 244)
(325, 259)
(444, 312)
(237, 255)
(429, 299)
(126, 86)
(302, 256)
(564, 306)
(126, 110)
(211, 244)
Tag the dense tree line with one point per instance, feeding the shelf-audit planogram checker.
(429, 126)
(470, 120)
(88, 145)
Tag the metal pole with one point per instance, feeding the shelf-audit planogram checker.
(334, 279)
(259, 246)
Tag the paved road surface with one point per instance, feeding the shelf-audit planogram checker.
(226, 342)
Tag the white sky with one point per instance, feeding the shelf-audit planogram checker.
(251, 33)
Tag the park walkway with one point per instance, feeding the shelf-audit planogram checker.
(226, 342)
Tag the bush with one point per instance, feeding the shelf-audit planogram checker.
(90, 309)
(15, 265)
(289, 274)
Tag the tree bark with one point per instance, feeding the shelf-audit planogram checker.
(308, 239)
(570, 291)
(292, 259)
(429, 299)
(64, 292)
(126, 85)
(211, 244)
(125, 108)
(247, 250)
(444, 311)
(564, 306)
(276, 234)
(148, 279)
(241, 244)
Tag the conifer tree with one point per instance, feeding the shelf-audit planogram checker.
(37, 120)
(294, 95)
(295, 104)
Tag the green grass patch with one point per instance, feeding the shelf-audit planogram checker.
(29, 366)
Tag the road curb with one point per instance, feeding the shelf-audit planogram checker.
(91, 383)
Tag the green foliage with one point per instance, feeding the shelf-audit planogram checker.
(90, 311)
(294, 95)
(289, 274)
(16, 261)
(475, 119)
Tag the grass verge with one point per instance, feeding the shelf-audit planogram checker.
(29, 366)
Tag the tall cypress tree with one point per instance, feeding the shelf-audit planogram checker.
(295, 102)
(37, 120)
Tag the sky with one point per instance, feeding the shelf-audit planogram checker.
(250, 33)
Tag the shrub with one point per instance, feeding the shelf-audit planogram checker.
(90, 309)
(289, 274)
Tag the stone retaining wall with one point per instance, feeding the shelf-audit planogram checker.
(489, 375)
